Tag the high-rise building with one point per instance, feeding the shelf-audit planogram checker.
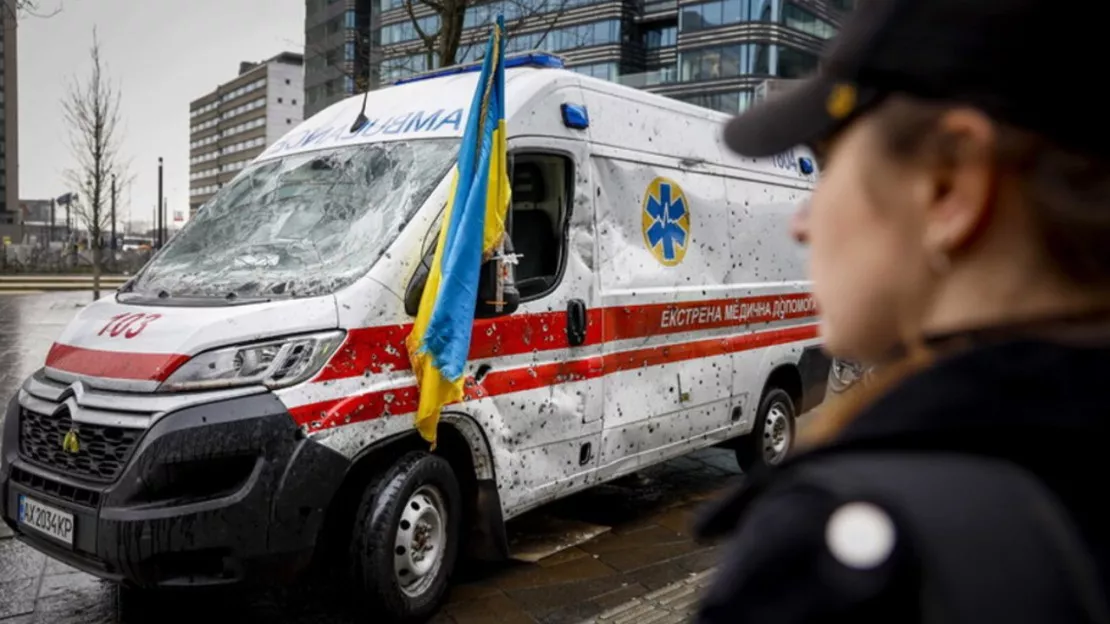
(713, 53)
(340, 40)
(9, 117)
(232, 125)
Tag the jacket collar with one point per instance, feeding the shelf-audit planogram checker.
(986, 387)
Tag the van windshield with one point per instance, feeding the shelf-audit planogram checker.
(303, 225)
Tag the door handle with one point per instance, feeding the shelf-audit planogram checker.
(576, 322)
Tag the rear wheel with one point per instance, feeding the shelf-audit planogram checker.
(405, 540)
(772, 437)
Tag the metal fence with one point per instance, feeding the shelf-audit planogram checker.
(60, 259)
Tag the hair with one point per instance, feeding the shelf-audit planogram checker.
(1066, 193)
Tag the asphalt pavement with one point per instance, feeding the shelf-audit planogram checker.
(616, 553)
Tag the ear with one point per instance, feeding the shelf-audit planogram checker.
(963, 181)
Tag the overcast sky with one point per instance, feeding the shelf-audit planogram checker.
(163, 54)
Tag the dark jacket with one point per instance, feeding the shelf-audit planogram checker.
(1037, 400)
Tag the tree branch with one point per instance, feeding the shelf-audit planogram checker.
(91, 110)
(429, 40)
(31, 8)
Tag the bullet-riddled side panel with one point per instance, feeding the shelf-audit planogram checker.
(763, 249)
(766, 257)
(660, 227)
(664, 246)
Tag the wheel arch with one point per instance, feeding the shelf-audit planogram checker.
(786, 377)
(464, 445)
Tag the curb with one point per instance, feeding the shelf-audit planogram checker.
(672, 604)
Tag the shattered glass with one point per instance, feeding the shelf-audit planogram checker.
(304, 225)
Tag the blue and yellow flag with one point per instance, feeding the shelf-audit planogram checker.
(472, 230)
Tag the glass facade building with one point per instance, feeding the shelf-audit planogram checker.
(340, 42)
(713, 54)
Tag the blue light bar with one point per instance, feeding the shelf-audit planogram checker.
(575, 116)
(526, 59)
(806, 165)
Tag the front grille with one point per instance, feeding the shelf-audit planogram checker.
(79, 495)
(101, 454)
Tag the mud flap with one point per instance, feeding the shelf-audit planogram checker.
(813, 367)
(488, 540)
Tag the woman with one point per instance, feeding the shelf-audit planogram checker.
(959, 237)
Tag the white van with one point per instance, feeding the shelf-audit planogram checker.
(246, 401)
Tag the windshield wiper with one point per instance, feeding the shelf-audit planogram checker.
(162, 297)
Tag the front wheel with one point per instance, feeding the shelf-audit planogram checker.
(772, 437)
(405, 540)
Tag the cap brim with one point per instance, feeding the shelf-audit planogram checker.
(799, 116)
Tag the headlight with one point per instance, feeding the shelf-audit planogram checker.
(274, 364)
(843, 374)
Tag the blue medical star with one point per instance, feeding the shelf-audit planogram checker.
(666, 229)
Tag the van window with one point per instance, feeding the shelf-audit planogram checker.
(304, 225)
(542, 185)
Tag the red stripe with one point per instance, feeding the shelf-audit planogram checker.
(372, 350)
(404, 400)
(113, 364)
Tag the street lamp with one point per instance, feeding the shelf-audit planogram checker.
(158, 219)
(113, 245)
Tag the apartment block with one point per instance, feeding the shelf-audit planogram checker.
(233, 124)
(9, 118)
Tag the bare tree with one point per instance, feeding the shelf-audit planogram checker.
(33, 8)
(92, 113)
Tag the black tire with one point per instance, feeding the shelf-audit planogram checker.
(141, 605)
(755, 449)
(395, 497)
(135, 605)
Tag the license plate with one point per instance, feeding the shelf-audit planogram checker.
(46, 519)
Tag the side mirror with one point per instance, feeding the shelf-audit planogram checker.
(487, 287)
(416, 285)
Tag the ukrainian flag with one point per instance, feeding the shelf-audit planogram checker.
(472, 230)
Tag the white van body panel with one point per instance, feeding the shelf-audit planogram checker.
(676, 357)
(112, 346)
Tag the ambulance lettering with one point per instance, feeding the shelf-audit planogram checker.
(786, 161)
(691, 316)
(736, 312)
(129, 325)
(413, 122)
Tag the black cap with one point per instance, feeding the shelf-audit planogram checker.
(1035, 64)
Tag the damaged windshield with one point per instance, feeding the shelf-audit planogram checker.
(303, 225)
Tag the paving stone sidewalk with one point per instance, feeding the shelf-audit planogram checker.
(673, 604)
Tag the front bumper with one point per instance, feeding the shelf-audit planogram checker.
(212, 494)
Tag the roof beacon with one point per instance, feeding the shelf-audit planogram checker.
(525, 59)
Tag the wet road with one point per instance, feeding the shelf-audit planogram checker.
(575, 558)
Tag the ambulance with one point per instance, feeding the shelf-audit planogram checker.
(243, 407)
